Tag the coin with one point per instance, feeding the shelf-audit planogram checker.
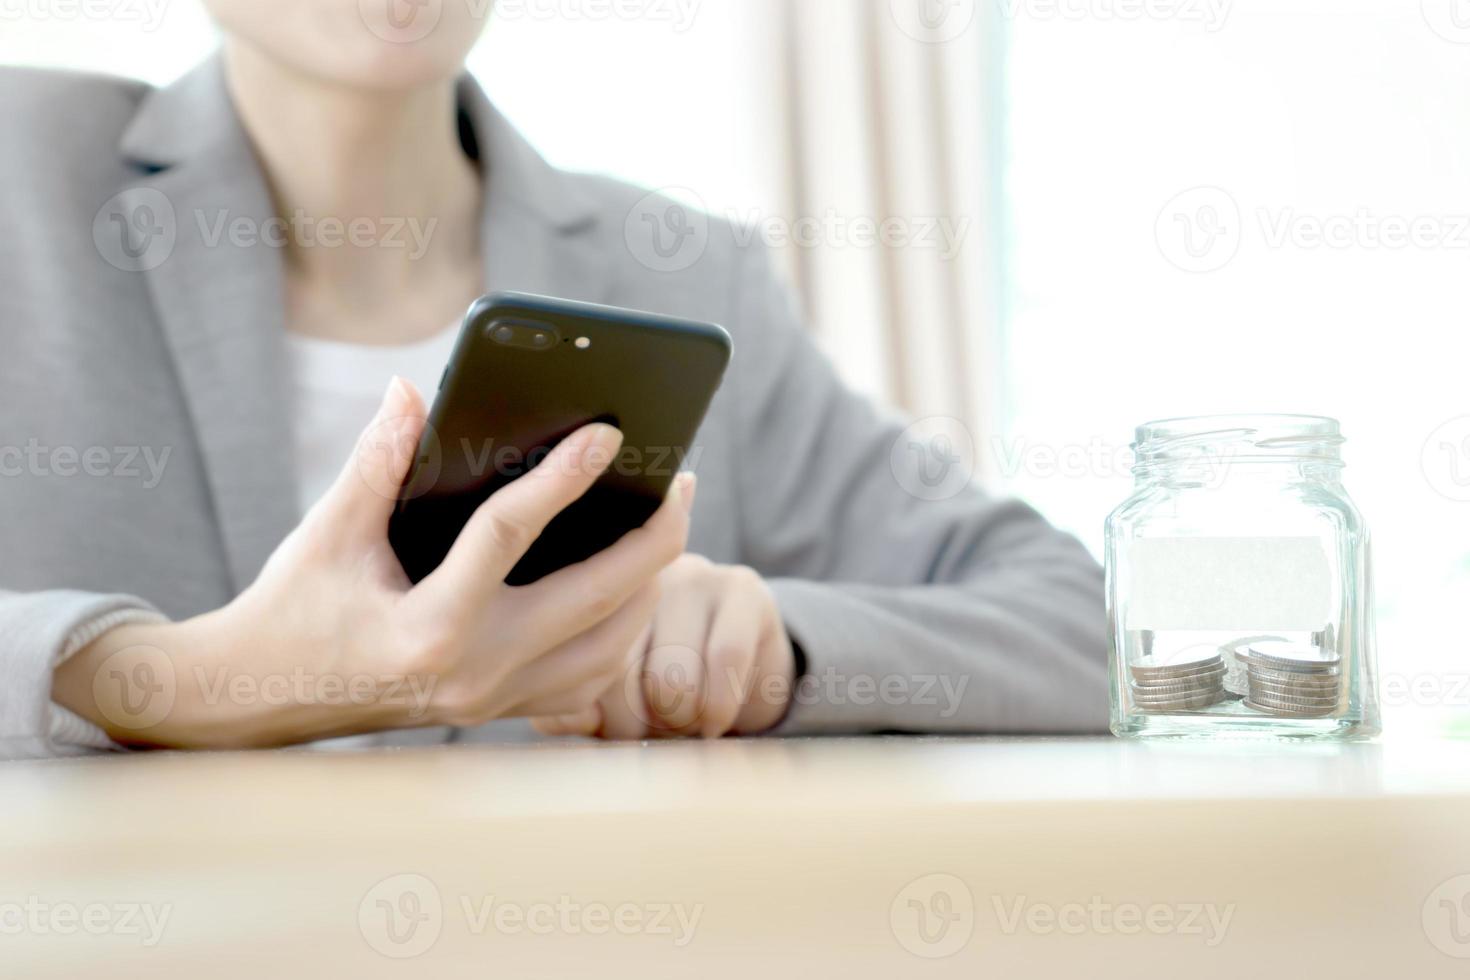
(1157, 696)
(1277, 697)
(1160, 667)
(1291, 700)
(1317, 681)
(1197, 683)
(1161, 709)
(1143, 694)
(1211, 683)
(1180, 703)
(1189, 656)
(1327, 678)
(1301, 670)
(1279, 655)
(1293, 704)
(1177, 698)
(1288, 712)
(1194, 675)
(1294, 690)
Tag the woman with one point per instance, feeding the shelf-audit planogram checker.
(195, 555)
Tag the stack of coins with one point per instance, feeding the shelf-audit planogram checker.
(1185, 681)
(1293, 680)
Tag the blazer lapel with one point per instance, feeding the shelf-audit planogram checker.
(219, 298)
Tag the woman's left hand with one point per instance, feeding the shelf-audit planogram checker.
(715, 660)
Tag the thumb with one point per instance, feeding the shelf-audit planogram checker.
(369, 486)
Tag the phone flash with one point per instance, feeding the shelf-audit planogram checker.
(583, 343)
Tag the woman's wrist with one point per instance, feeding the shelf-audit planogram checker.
(124, 681)
(209, 683)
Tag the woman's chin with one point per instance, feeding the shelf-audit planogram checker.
(384, 67)
(378, 45)
(417, 36)
(398, 70)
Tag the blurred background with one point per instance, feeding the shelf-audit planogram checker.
(1050, 219)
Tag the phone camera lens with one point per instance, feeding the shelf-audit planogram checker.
(539, 340)
(505, 335)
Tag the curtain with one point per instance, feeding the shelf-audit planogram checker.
(880, 120)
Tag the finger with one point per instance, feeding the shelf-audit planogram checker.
(772, 684)
(584, 723)
(365, 492)
(576, 675)
(673, 679)
(624, 712)
(504, 527)
(604, 581)
(730, 656)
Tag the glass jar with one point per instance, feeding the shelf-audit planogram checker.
(1238, 585)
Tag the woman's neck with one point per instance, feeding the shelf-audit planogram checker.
(381, 174)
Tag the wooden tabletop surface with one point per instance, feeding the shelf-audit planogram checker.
(817, 858)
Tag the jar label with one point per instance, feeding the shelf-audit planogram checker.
(1257, 584)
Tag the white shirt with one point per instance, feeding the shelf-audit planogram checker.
(336, 388)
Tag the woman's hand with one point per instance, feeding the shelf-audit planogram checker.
(715, 660)
(332, 639)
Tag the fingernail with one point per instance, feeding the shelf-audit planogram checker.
(392, 395)
(686, 485)
(599, 445)
(385, 404)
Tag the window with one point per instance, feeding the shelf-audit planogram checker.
(1262, 208)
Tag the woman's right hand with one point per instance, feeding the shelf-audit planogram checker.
(332, 639)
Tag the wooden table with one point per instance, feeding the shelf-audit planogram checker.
(808, 858)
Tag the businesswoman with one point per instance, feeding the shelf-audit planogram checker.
(219, 302)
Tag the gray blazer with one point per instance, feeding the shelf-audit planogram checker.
(145, 459)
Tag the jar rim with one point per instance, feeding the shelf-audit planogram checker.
(1192, 424)
(1240, 437)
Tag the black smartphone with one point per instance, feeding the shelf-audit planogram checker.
(528, 371)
